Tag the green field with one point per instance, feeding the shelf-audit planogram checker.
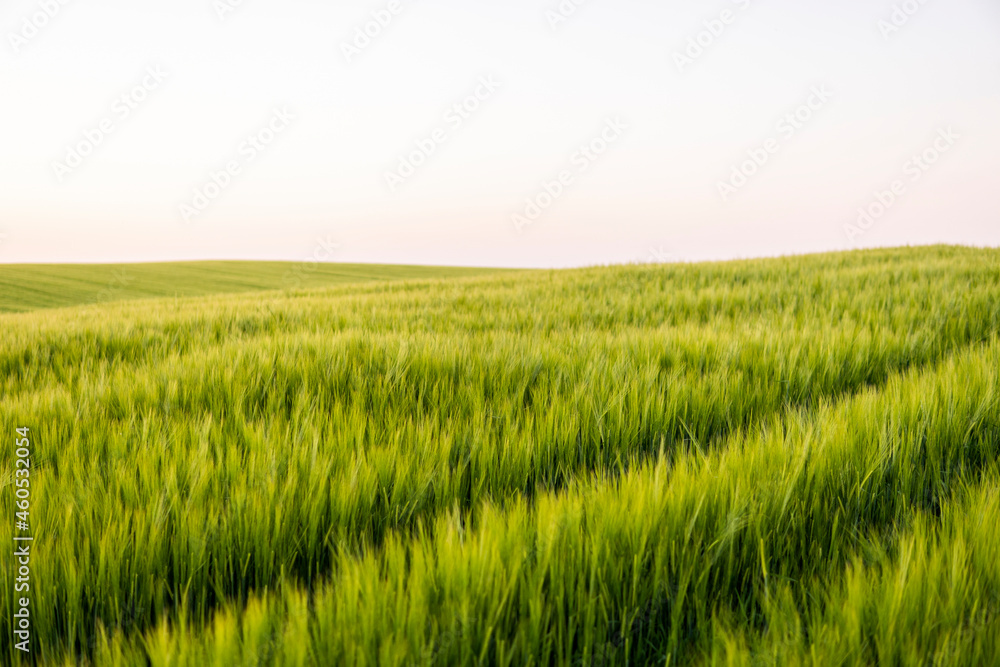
(769, 462)
(25, 287)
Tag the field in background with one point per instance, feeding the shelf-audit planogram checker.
(783, 461)
(26, 287)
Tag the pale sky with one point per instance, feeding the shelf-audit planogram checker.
(116, 112)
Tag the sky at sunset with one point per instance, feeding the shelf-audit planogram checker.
(517, 133)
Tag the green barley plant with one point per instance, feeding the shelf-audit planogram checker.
(784, 461)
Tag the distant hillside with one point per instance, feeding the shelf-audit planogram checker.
(27, 287)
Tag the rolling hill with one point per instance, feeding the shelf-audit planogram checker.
(782, 461)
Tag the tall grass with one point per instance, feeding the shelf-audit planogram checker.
(598, 466)
(929, 596)
(680, 560)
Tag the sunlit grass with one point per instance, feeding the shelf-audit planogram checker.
(602, 466)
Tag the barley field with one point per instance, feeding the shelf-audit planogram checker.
(26, 287)
(787, 461)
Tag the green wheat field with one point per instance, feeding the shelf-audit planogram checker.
(787, 461)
